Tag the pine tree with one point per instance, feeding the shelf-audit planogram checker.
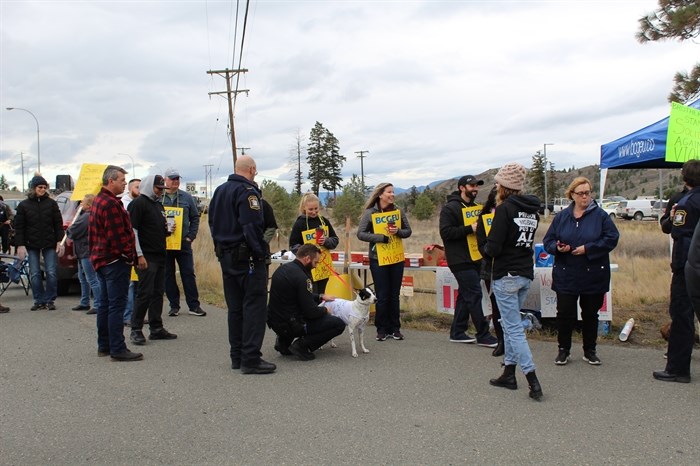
(324, 160)
(283, 205)
(3, 183)
(295, 159)
(536, 175)
(424, 208)
(675, 19)
(349, 203)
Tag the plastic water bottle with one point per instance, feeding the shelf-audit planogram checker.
(626, 330)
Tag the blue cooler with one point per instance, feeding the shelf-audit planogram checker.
(542, 257)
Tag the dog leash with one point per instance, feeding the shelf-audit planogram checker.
(338, 276)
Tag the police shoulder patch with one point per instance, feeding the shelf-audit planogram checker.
(254, 202)
(679, 218)
(309, 286)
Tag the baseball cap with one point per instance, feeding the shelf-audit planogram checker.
(172, 173)
(469, 179)
(158, 182)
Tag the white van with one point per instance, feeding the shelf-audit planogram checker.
(637, 209)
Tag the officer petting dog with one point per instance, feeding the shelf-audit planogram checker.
(237, 226)
(301, 325)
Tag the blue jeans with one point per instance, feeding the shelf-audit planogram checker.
(185, 262)
(130, 302)
(114, 284)
(88, 282)
(510, 294)
(43, 295)
(387, 284)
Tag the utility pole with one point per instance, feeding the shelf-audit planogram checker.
(546, 210)
(228, 75)
(207, 179)
(21, 158)
(243, 149)
(362, 166)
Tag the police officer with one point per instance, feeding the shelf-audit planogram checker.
(684, 217)
(236, 223)
(294, 310)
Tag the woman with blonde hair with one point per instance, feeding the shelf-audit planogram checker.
(580, 238)
(383, 225)
(312, 227)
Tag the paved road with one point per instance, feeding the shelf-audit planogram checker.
(419, 401)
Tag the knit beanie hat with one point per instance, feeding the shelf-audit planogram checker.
(511, 176)
(38, 180)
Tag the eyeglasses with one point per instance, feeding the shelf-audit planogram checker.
(583, 193)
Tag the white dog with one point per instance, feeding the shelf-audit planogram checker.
(355, 314)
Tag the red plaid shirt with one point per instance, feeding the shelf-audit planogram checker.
(110, 234)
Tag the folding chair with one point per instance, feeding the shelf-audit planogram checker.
(14, 270)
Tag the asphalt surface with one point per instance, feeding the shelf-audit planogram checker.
(419, 401)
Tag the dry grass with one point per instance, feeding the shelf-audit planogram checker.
(640, 286)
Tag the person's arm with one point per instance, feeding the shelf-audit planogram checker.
(405, 230)
(450, 227)
(295, 239)
(332, 239)
(364, 230)
(607, 241)
(194, 219)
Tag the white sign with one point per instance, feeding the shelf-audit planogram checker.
(191, 188)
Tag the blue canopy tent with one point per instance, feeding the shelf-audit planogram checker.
(644, 148)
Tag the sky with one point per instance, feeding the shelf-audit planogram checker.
(432, 89)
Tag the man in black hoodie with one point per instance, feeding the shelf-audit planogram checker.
(458, 221)
(150, 230)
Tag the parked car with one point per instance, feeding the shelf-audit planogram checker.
(637, 209)
(658, 209)
(67, 270)
(609, 208)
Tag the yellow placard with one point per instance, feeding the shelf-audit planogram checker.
(325, 263)
(470, 215)
(134, 276)
(683, 136)
(391, 252)
(174, 241)
(488, 220)
(89, 180)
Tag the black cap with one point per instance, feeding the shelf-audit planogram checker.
(469, 179)
(158, 182)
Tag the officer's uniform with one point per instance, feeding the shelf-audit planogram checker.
(680, 341)
(236, 223)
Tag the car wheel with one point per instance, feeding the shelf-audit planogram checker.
(613, 216)
(638, 216)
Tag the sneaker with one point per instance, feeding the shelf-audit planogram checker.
(174, 311)
(4, 309)
(299, 349)
(592, 358)
(489, 341)
(465, 339)
(51, 307)
(101, 353)
(126, 356)
(92, 311)
(38, 307)
(80, 307)
(198, 311)
(137, 337)
(397, 335)
(162, 334)
(562, 358)
(381, 336)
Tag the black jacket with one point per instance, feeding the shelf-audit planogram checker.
(291, 296)
(38, 223)
(683, 226)
(78, 232)
(512, 236)
(454, 234)
(303, 223)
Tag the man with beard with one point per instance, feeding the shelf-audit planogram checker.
(150, 230)
(294, 312)
(458, 222)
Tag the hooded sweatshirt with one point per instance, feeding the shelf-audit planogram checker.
(454, 234)
(148, 219)
(510, 242)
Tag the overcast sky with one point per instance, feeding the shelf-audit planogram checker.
(432, 89)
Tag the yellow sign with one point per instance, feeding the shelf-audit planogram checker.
(174, 241)
(683, 136)
(325, 263)
(134, 277)
(89, 181)
(488, 220)
(470, 215)
(391, 252)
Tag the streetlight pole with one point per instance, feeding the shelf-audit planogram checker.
(546, 208)
(133, 170)
(38, 147)
(21, 159)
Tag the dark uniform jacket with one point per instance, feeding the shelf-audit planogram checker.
(588, 273)
(454, 234)
(291, 297)
(236, 217)
(512, 235)
(38, 223)
(683, 226)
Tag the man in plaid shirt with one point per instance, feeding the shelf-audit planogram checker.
(112, 252)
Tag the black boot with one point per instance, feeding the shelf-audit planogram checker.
(507, 379)
(534, 384)
(499, 350)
